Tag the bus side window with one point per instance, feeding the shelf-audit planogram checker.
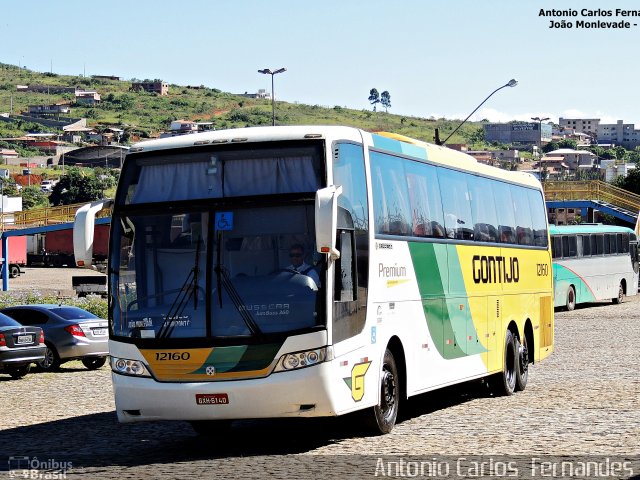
(586, 246)
(345, 268)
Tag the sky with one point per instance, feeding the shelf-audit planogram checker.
(435, 57)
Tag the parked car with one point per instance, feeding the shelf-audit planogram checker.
(71, 333)
(20, 346)
(47, 185)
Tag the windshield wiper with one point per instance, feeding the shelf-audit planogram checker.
(189, 288)
(223, 281)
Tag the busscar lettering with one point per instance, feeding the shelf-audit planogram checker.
(489, 269)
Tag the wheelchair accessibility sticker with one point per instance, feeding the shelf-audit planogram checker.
(224, 221)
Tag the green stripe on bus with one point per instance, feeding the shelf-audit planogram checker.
(448, 324)
(240, 358)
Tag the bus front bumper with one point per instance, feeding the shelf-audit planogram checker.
(297, 393)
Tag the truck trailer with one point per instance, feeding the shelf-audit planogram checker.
(55, 249)
(17, 255)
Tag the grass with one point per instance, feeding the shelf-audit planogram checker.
(146, 114)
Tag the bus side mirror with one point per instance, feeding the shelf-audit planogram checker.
(83, 227)
(327, 220)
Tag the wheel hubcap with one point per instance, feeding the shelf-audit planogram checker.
(388, 393)
(48, 358)
(524, 359)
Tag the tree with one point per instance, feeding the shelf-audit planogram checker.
(385, 100)
(9, 187)
(76, 187)
(621, 152)
(568, 143)
(374, 97)
(550, 147)
(631, 182)
(33, 197)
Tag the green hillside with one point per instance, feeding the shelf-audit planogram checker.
(147, 114)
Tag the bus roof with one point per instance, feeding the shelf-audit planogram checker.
(391, 142)
(586, 228)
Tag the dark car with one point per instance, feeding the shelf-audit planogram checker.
(71, 333)
(20, 346)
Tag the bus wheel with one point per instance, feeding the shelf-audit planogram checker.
(620, 298)
(383, 417)
(211, 428)
(504, 383)
(571, 298)
(522, 371)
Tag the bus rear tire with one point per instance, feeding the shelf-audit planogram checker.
(522, 359)
(571, 299)
(620, 298)
(504, 383)
(382, 418)
(211, 428)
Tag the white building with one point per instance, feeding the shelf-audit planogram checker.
(620, 133)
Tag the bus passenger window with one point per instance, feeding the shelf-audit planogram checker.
(586, 246)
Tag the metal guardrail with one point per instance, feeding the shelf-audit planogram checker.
(591, 190)
(42, 217)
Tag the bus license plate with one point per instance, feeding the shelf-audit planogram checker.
(22, 339)
(212, 398)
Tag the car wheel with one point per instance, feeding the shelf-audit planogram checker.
(522, 359)
(93, 363)
(211, 428)
(571, 299)
(382, 417)
(51, 360)
(504, 383)
(14, 271)
(19, 372)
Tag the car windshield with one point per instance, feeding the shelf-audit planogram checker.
(219, 273)
(73, 313)
(8, 322)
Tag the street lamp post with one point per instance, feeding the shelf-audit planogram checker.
(511, 83)
(539, 120)
(267, 71)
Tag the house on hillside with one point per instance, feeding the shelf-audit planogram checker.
(87, 97)
(159, 87)
(7, 154)
(49, 110)
(574, 158)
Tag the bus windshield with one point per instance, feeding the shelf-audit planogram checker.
(247, 271)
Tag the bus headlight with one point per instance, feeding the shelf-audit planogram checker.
(125, 366)
(308, 358)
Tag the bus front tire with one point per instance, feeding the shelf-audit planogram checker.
(504, 383)
(620, 298)
(522, 358)
(571, 299)
(382, 417)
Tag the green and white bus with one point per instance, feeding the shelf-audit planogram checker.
(429, 269)
(593, 263)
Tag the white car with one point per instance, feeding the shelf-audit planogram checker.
(47, 185)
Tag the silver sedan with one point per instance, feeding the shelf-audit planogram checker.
(71, 333)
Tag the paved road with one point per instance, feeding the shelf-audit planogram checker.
(583, 401)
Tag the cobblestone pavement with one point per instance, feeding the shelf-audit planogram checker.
(582, 401)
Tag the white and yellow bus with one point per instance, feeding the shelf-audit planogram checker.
(421, 268)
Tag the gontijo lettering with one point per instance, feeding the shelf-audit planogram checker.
(488, 269)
